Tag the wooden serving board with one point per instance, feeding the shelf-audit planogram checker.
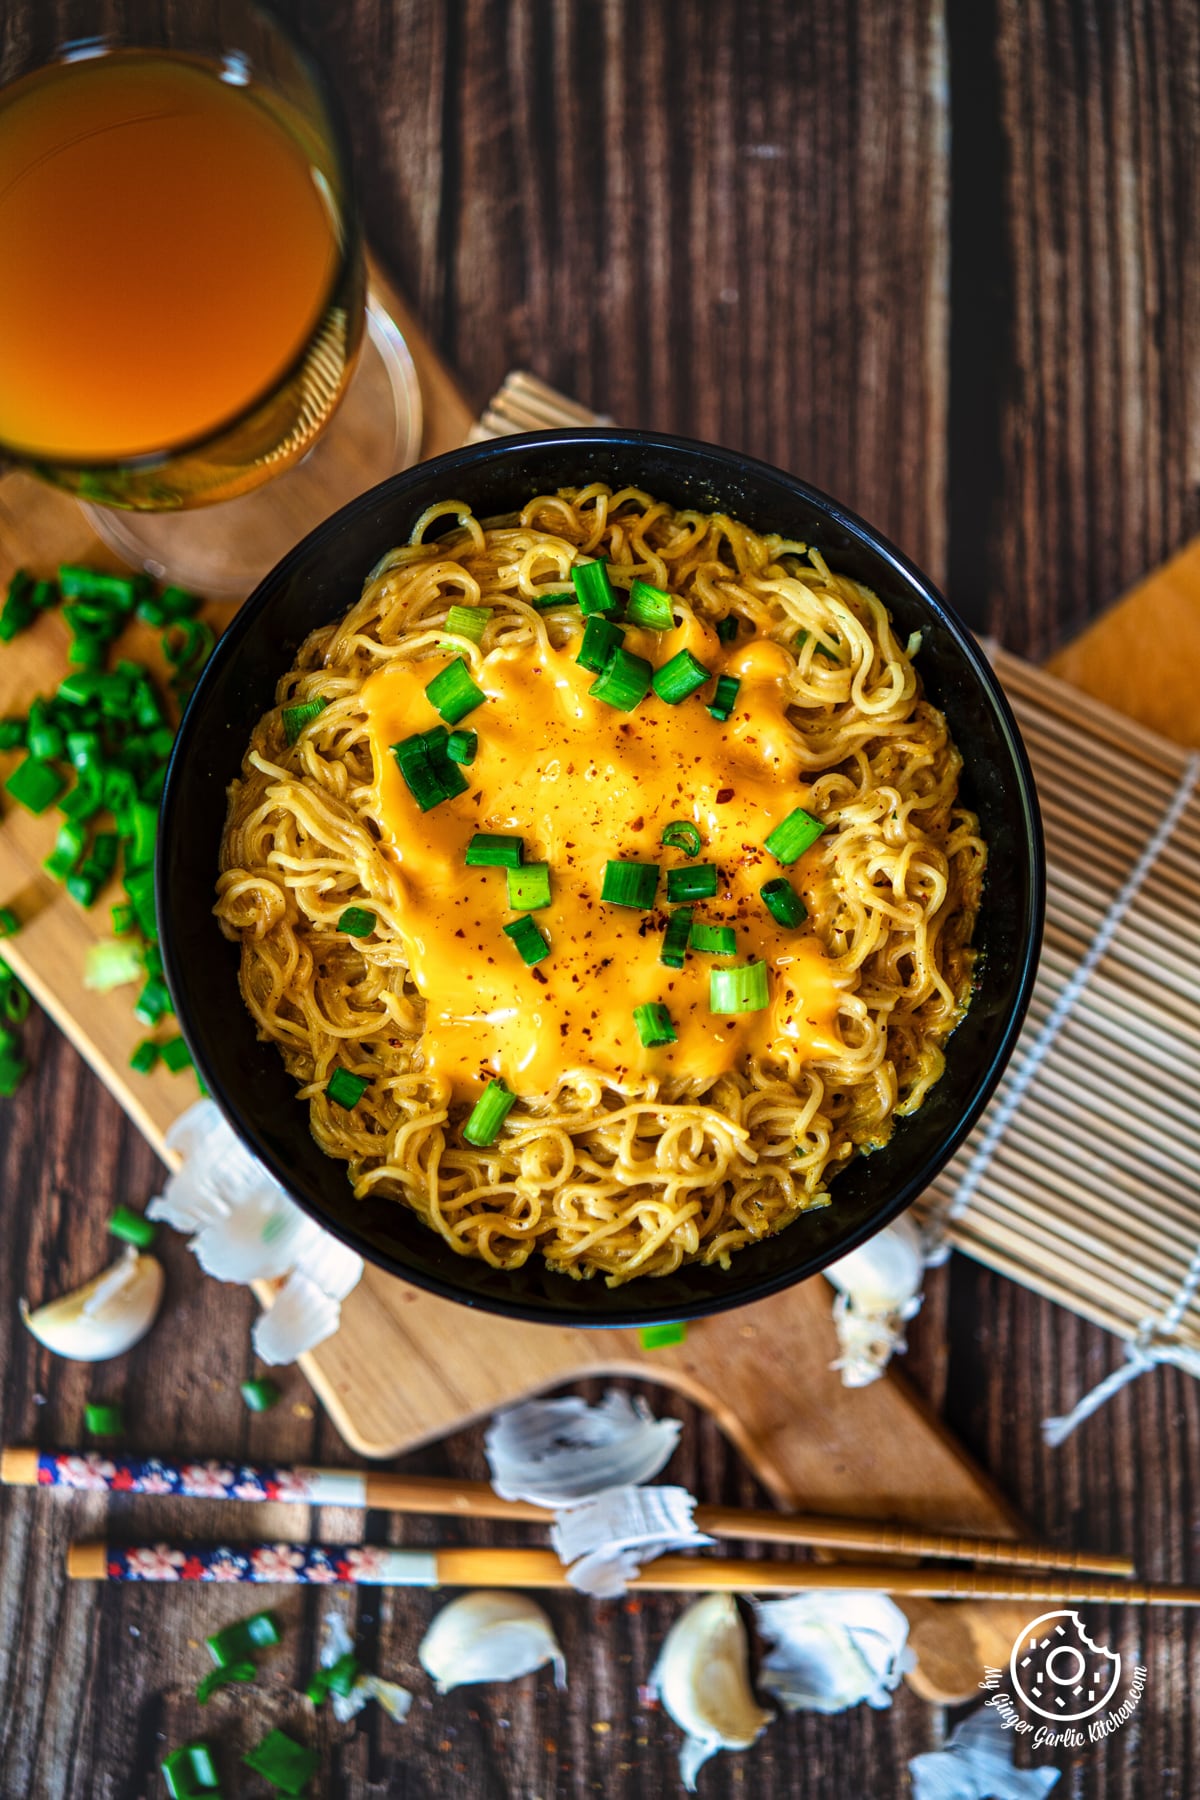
(405, 1367)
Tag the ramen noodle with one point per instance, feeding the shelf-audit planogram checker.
(601, 879)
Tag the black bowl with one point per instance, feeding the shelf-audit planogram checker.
(320, 580)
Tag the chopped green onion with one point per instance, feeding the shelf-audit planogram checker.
(18, 611)
(658, 1337)
(679, 677)
(624, 680)
(428, 772)
(12, 734)
(176, 603)
(14, 997)
(43, 736)
(119, 592)
(725, 697)
(144, 1057)
(103, 1421)
(9, 922)
(783, 902)
(112, 963)
(681, 834)
(175, 1054)
(650, 607)
(727, 628)
(357, 921)
(142, 833)
(44, 595)
(453, 692)
(208, 1684)
(80, 689)
(741, 990)
(468, 621)
(297, 718)
(793, 836)
(714, 940)
(547, 596)
(593, 587)
(69, 846)
(339, 1678)
(132, 1227)
(190, 1772)
(140, 888)
(261, 1395)
(600, 638)
(83, 888)
(462, 746)
(697, 883)
(187, 645)
(35, 785)
(12, 1073)
(831, 651)
(237, 1642)
(346, 1089)
(494, 850)
(528, 939)
(654, 1025)
(153, 1003)
(488, 1115)
(676, 938)
(529, 887)
(630, 884)
(283, 1762)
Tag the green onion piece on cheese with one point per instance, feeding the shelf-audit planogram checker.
(493, 850)
(725, 697)
(742, 990)
(676, 938)
(600, 638)
(454, 693)
(697, 883)
(593, 587)
(462, 746)
(529, 887)
(681, 834)
(346, 1089)
(488, 1114)
(650, 607)
(357, 921)
(297, 718)
(529, 941)
(624, 680)
(680, 677)
(793, 836)
(428, 773)
(727, 628)
(783, 902)
(630, 884)
(654, 1025)
(468, 621)
(713, 940)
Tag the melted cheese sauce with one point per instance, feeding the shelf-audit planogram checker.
(584, 784)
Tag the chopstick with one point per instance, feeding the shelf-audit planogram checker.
(362, 1565)
(435, 1496)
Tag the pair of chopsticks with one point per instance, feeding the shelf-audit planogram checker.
(453, 1567)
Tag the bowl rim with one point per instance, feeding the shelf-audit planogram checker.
(639, 1313)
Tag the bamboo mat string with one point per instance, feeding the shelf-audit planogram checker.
(1002, 1117)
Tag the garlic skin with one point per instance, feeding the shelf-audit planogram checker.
(557, 1452)
(833, 1649)
(489, 1636)
(106, 1316)
(703, 1679)
(879, 1290)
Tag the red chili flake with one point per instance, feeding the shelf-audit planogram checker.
(460, 932)
(724, 794)
(638, 824)
(538, 976)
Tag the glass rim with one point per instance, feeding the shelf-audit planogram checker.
(21, 456)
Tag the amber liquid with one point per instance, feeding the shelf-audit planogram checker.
(168, 250)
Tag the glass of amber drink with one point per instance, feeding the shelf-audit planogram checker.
(182, 306)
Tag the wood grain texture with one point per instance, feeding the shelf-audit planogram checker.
(731, 219)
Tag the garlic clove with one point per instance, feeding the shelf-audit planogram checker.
(703, 1679)
(106, 1316)
(489, 1636)
(879, 1289)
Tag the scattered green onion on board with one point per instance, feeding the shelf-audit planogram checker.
(339, 1678)
(208, 1684)
(529, 887)
(624, 681)
(103, 1421)
(742, 990)
(494, 850)
(681, 834)
(9, 922)
(282, 1762)
(175, 1054)
(261, 1394)
(144, 1057)
(488, 1115)
(600, 638)
(696, 883)
(654, 1025)
(793, 836)
(594, 589)
(468, 621)
(132, 1228)
(659, 1337)
(531, 945)
(630, 884)
(783, 902)
(453, 692)
(462, 747)
(713, 940)
(676, 938)
(725, 698)
(299, 717)
(190, 1771)
(357, 921)
(238, 1642)
(650, 607)
(345, 1088)
(679, 677)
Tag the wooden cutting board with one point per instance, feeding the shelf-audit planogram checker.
(405, 1367)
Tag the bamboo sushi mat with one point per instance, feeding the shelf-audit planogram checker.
(1082, 1179)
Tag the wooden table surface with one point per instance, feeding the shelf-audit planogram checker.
(942, 260)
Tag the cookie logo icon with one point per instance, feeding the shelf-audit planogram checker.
(1057, 1670)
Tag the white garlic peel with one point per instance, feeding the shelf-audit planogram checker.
(106, 1316)
(978, 1762)
(879, 1290)
(555, 1452)
(703, 1679)
(489, 1636)
(394, 1699)
(603, 1542)
(833, 1649)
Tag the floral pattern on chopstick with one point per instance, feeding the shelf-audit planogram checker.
(299, 1563)
(97, 1471)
